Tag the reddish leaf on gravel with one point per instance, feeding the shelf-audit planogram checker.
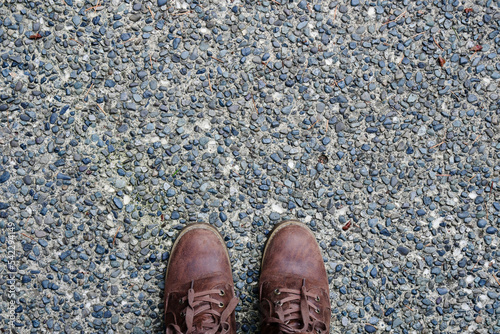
(37, 36)
(346, 226)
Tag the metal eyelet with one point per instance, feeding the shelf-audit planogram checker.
(317, 310)
(221, 293)
(221, 304)
(278, 303)
(183, 314)
(181, 301)
(317, 298)
(318, 331)
(277, 292)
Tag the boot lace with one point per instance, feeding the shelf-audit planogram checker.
(301, 310)
(201, 315)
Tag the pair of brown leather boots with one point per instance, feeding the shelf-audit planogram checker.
(199, 291)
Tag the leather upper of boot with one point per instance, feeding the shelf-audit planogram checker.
(294, 292)
(199, 293)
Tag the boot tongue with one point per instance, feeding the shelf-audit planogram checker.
(202, 320)
(296, 324)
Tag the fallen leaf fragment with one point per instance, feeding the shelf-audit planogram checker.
(36, 36)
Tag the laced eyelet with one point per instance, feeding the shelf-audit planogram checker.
(318, 331)
(277, 291)
(181, 301)
(183, 314)
(317, 310)
(317, 298)
(221, 293)
(221, 304)
(278, 303)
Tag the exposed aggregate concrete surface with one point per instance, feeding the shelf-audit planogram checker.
(376, 123)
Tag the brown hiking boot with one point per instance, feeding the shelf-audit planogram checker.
(199, 291)
(294, 294)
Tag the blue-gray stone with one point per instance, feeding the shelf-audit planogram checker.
(339, 127)
(370, 329)
(276, 157)
(76, 20)
(471, 98)
(389, 311)
(125, 36)
(403, 250)
(301, 25)
(491, 230)
(418, 77)
(4, 177)
(118, 202)
(492, 295)
(162, 2)
(274, 216)
(62, 176)
(385, 232)
(302, 5)
(64, 254)
(99, 249)
(175, 148)
(246, 51)
(397, 322)
(412, 98)
(109, 83)
(176, 43)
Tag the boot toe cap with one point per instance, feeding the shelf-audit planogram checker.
(293, 249)
(198, 252)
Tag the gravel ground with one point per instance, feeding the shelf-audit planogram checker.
(376, 123)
